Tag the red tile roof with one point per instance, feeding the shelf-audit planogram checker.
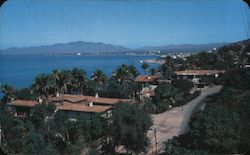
(69, 97)
(82, 107)
(63, 106)
(199, 72)
(146, 78)
(26, 103)
(81, 98)
(75, 103)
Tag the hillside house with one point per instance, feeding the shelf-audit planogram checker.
(73, 105)
(196, 75)
(148, 84)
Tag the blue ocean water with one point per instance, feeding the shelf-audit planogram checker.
(20, 70)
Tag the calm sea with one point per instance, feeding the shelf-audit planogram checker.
(20, 71)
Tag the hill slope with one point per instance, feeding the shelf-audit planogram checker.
(69, 48)
(93, 47)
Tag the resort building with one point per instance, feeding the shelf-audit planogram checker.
(147, 80)
(73, 105)
(22, 108)
(148, 83)
(88, 100)
(196, 75)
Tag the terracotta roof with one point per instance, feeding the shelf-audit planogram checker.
(107, 100)
(81, 107)
(26, 103)
(146, 78)
(65, 106)
(199, 72)
(80, 98)
(69, 97)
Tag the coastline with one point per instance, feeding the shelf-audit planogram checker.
(154, 61)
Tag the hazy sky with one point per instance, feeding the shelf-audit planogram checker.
(128, 23)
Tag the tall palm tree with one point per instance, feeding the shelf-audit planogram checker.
(99, 77)
(64, 80)
(167, 68)
(55, 76)
(41, 85)
(8, 92)
(125, 73)
(145, 67)
(79, 79)
(134, 72)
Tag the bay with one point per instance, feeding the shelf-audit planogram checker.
(20, 70)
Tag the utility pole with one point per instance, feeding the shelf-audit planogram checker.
(156, 149)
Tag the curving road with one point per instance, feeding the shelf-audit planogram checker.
(175, 121)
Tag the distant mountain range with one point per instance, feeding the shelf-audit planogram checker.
(184, 47)
(93, 47)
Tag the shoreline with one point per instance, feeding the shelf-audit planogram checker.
(154, 61)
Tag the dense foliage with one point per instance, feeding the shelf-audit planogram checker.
(48, 132)
(222, 128)
(128, 128)
(170, 95)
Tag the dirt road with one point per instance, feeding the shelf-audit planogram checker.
(175, 121)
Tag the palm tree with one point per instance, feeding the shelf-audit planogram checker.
(167, 68)
(145, 67)
(132, 69)
(79, 79)
(41, 85)
(55, 76)
(125, 73)
(64, 81)
(99, 77)
(153, 71)
(8, 92)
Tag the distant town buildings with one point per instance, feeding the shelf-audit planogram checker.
(177, 55)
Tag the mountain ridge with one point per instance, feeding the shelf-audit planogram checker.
(99, 47)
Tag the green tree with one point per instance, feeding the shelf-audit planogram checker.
(55, 76)
(153, 71)
(9, 93)
(41, 85)
(39, 115)
(168, 93)
(33, 143)
(99, 77)
(25, 94)
(167, 68)
(79, 79)
(144, 66)
(49, 149)
(134, 72)
(173, 147)
(217, 130)
(114, 89)
(183, 85)
(62, 80)
(92, 87)
(13, 132)
(92, 127)
(65, 80)
(130, 126)
(125, 73)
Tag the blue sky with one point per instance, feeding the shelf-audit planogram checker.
(129, 23)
